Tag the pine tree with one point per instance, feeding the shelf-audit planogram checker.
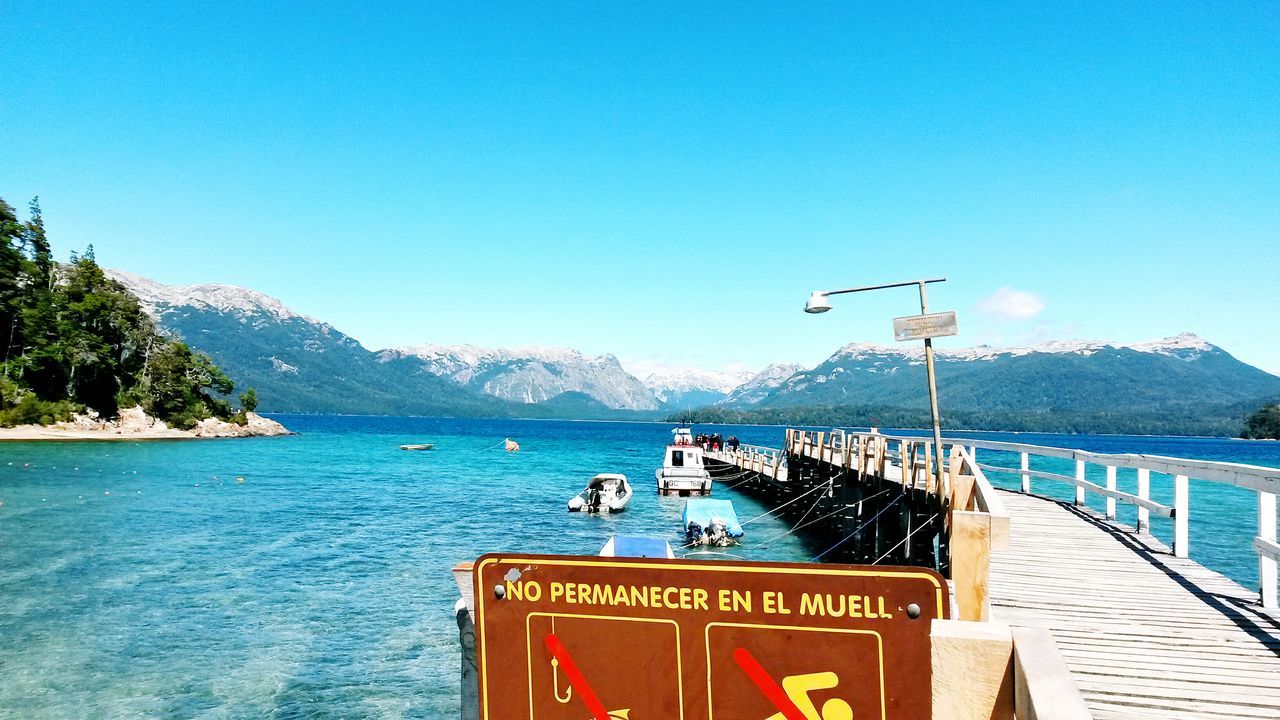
(74, 339)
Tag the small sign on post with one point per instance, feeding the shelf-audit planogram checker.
(921, 327)
(586, 638)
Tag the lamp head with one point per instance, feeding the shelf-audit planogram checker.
(819, 302)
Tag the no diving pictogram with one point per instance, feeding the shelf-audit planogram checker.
(792, 696)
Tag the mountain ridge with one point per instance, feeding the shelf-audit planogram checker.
(301, 364)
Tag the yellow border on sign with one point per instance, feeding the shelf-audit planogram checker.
(879, 653)
(529, 647)
(481, 660)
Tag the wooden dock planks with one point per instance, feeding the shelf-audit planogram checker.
(1145, 634)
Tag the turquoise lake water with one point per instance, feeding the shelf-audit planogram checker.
(144, 580)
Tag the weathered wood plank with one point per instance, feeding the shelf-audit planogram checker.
(1145, 634)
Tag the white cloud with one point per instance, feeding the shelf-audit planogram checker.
(1010, 304)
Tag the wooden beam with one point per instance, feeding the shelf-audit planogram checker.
(971, 563)
(972, 670)
(1042, 685)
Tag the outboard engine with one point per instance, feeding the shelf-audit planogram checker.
(717, 534)
(694, 533)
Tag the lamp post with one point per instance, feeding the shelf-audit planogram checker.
(820, 302)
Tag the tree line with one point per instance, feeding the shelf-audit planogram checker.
(1220, 422)
(74, 340)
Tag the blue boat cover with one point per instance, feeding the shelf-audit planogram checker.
(631, 546)
(704, 510)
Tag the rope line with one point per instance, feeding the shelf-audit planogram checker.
(908, 537)
(842, 508)
(810, 491)
(858, 529)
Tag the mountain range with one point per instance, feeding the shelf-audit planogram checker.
(302, 364)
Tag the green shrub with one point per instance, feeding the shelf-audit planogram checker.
(30, 410)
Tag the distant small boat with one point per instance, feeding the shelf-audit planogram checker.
(711, 522)
(511, 445)
(606, 493)
(422, 446)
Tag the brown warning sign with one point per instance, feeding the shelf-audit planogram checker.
(587, 638)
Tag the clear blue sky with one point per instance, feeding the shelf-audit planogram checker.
(585, 174)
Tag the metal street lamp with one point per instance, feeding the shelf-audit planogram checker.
(915, 327)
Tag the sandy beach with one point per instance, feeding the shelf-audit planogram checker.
(134, 424)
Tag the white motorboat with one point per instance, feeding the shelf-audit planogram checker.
(606, 493)
(683, 472)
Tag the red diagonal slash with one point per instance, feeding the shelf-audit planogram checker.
(579, 682)
(767, 685)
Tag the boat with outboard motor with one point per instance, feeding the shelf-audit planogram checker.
(606, 493)
(683, 472)
(711, 522)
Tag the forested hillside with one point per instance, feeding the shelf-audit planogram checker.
(74, 340)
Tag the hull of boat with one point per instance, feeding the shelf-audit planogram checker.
(684, 485)
(615, 503)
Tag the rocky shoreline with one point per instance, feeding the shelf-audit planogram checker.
(135, 424)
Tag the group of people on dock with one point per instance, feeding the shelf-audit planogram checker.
(715, 442)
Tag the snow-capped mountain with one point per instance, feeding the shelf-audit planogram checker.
(157, 298)
(1066, 376)
(758, 386)
(301, 364)
(296, 363)
(693, 388)
(1185, 345)
(530, 374)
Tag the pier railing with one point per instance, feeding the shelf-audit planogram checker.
(1263, 481)
(976, 516)
(912, 458)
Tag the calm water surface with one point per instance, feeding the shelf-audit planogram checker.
(148, 580)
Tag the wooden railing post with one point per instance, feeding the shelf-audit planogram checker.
(1144, 492)
(1266, 563)
(1079, 488)
(1026, 476)
(1111, 485)
(1181, 490)
(971, 563)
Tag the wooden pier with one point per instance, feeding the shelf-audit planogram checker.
(1144, 631)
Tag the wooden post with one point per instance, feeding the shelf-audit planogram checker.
(971, 563)
(469, 673)
(1144, 492)
(1026, 476)
(928, 465)
(1079, 488)
(1266, 564)
(1181, 496)
(1111, 485)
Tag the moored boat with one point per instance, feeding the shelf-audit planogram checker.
(711, 522)
(419, 446)
(632, 546)
(606, 493)
(683, 472)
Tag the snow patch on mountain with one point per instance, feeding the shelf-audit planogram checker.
(1184, 345)
(531, 374)
(694, 379)
(156, 298)
(758, 386)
